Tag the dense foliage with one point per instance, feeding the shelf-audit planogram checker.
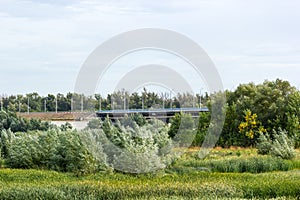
(53, 149)
(136, 148)
(9, 120)
(123, 146)
(273, 105)
(182, 129)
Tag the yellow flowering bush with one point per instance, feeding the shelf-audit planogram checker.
(251, 126)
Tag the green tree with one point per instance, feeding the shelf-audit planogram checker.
(135, 101)
(182, 129)
(203, 124)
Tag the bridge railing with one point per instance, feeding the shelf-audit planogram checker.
(155, 110)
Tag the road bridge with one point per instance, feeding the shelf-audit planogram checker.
(163, 114)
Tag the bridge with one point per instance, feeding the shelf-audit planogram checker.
(163, 114)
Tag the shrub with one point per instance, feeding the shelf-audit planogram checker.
(94, 124)
(70, 155)
(283, 146)
(124, 146)
(66, 126)
(62, 151)
(139, 119)
(136, 149)
(93, 140)
(264, 144)
(6, 137)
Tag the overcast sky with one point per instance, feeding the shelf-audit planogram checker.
(44, 43)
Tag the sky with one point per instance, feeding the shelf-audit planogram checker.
(43, 44)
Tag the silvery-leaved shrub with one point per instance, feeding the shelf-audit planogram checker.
(280, 146)
(264, 144)
(94, 124)
(283, 146)
(6, 136)
(140, 155)
(93, 141)
(136, 149)
(67, 151)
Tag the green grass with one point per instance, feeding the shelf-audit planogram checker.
(255, 164)
(37, 184)
(181, 181)
(233, 160)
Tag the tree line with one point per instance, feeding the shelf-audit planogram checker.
(33, 102)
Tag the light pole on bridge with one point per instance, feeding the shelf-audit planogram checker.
(45, 105)
(1, 103)
(28, 107)
(56, 104)
(200, 94)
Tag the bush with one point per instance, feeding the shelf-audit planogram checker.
(136, 149)
(56, 150)
(94, 124)
(6, 137)
(131, 148)
(264, 144)
(282, 146)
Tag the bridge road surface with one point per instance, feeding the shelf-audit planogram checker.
(163, 114)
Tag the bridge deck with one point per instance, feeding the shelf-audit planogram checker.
(150, 113)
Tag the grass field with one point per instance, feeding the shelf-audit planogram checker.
(184, 180)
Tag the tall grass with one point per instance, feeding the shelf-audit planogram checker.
(188, 178)
(234, 160)
(257, 164)
(35, 184)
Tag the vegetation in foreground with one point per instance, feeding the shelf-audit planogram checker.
(131, 146)
(183, 180)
